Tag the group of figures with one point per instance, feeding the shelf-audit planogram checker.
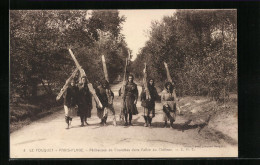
(78, 96)
(168, 101)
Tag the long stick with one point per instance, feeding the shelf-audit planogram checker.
(170, 80)
(145, 83)
(90, 86)
(64, 88)
(124, 79)
(105, 68)
(82, 72)
(167, 72)
(123, 92)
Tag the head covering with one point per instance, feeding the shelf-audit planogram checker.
(105, 83)
(148, 83)
(98, 83)
(131, 75)
(72, 80)
(171, 86)
(86, 82)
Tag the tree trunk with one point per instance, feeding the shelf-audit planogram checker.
(34, 87)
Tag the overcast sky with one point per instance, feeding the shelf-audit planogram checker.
(137, 23)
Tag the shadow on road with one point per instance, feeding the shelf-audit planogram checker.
(137, 122)
(177, 126)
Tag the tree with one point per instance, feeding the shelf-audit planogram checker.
(104, 27)
(193, 43)
(39, 42)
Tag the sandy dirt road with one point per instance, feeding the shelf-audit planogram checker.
(48, 138)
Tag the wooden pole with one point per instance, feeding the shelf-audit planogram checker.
(90, 86)
(82, 72)
(145, 83)
(170, 80)
(122, 91)
(105, 68)
(64, 88)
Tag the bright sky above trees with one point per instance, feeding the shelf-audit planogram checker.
(137, 23)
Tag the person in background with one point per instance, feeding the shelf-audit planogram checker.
(70, 101)
(149, 108)
(169, 104)
(85, 101)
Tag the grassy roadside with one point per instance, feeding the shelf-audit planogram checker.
(23, 113)
(213, 119)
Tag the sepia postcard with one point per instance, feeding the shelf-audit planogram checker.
(123, 83)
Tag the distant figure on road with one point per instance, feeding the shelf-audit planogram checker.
(106, 97)
(169, 104)
(70, 101)
(149, 109)
(130, 97)
(85, 102)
